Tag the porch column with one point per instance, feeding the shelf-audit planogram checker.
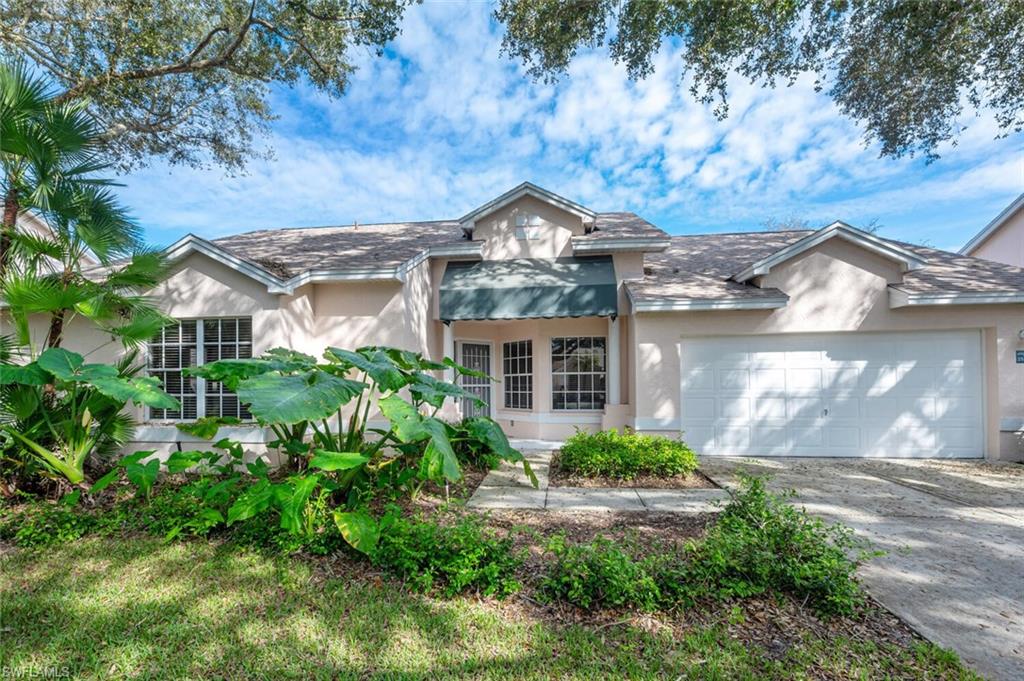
(614, 365)
(448, 349)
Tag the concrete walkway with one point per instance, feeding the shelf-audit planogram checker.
(954, 536)
(508, 487)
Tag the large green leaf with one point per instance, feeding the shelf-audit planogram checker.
(273, 398)
(377, 364)
(359, 529)
(407, 422)
(29, 374)
(60, 362)
(337, 461)
(208, 426)
(293, 506)
(143, 475)
(463, 371)
(141, 390)
(231, 372)
(253, 501)
(490, 433)
(434, 392)
(179, 462)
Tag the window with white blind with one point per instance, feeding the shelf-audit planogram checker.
(191, 342)
(578, 372)
(517, 374)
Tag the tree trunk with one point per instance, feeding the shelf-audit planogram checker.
(56, 329)
(7, 228)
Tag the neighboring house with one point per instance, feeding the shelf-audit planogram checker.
(1002, 239)
(832, 342)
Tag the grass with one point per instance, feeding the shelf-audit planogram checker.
(131, 607)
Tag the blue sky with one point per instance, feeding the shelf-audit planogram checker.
(443, 123)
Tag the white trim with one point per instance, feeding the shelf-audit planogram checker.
(907, 260)
(696, 304)
(994, 225)
(161, 432)
(583, 245)
(190, 243)
(654, 423)
(473, 249)
(900, 298)
(588, 417)
(527, 188)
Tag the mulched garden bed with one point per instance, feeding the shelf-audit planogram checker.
(561, 478)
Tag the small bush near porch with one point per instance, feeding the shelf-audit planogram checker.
(625, 456)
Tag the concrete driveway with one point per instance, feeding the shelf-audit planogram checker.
(954, 536)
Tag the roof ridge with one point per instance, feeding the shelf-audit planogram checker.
(353, 227)
(745, 233)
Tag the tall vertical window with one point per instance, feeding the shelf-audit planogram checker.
(192, 342)
(578, 372)
(517, 374)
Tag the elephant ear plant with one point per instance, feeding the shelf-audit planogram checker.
(61, 410)
(319, 412)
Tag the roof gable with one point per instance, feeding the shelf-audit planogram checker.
(906, 259)
(527, 189)
(993, 227)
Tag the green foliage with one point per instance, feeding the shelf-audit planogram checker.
(760, 542)
(598, 575)
(76, 413)
(455, 557)
(45, 524)
(905, 70)
(190, 82)
(51, 163)
(295, 395)
(625, 455)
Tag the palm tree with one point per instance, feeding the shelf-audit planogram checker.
(49, 163)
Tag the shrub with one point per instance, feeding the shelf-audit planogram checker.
(625, 455)
(457, 557)
(598, 575)
(44, 524)
(761, 543)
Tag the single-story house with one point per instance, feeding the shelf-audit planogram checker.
(828, 342)
(1002, 239)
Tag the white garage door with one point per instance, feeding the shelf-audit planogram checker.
(896, 395)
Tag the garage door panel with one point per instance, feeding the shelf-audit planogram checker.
(909, 395)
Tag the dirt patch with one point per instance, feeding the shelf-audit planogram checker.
(646, 527)
(559, 477)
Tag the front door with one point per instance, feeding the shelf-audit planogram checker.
(476, 356)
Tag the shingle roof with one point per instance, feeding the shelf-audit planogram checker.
(622, 226)
(288, 252)
(699, 267)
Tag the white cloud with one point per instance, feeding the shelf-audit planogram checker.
(443, 122)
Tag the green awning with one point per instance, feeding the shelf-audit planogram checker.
(529, 289)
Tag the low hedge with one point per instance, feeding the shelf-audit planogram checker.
(625, 455)
(759, 544)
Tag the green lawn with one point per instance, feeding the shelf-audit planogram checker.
(101, 608)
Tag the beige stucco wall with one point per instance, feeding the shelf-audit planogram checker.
(497, 231)
(835, 287)
(1006, 244)
(542, 421)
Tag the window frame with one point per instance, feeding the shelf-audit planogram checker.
(201, 383)
(603, 373)
(506, 393)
